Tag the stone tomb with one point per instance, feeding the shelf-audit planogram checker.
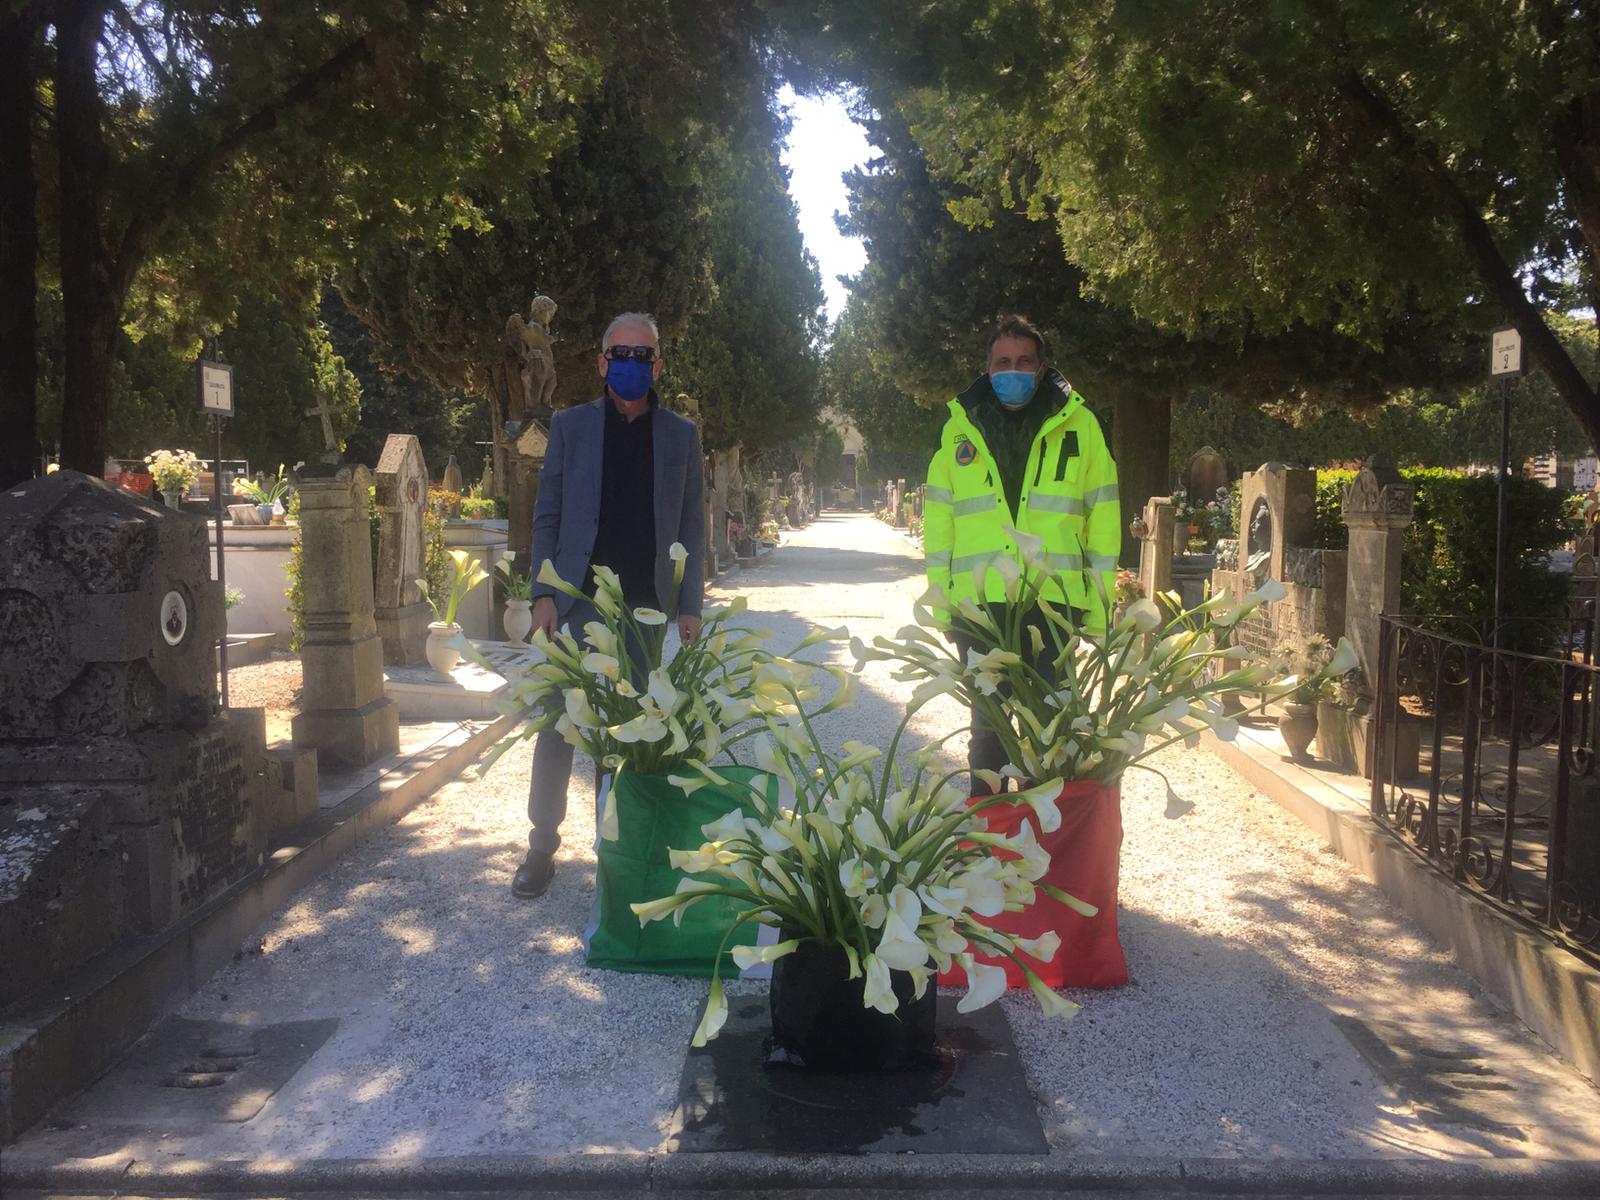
(1277, 518)
(399, 611)
(127, 801)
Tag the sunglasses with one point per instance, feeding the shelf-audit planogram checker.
(620, 353)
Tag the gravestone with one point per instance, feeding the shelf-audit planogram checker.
(1205, 476)
(345, 715)
(399, 611)
(127, 800)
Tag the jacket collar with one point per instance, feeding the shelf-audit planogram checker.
(980, 394)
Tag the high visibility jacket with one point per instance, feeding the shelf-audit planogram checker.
(1068, 498)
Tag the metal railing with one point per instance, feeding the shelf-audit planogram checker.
(1507, 797)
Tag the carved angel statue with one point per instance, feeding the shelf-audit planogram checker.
(528, 345)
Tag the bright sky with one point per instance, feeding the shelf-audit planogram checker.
(823, 145)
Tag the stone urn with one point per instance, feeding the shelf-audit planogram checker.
(442, 656)
(1298, 725)
(819, 1021)
(518, 620)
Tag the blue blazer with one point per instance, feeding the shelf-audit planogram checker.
(567, 514)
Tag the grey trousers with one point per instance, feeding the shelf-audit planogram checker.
(552, 754)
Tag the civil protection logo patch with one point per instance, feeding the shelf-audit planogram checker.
(966, 453)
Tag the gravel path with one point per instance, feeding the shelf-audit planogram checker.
(470, 1024)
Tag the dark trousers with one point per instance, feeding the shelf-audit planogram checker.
(985, 752)
(552, 753)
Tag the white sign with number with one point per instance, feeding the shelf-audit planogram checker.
(216, 389)
(1505, 353)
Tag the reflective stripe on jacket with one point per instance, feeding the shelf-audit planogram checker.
(1068, 499)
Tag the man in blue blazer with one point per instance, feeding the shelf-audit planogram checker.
(623, 480)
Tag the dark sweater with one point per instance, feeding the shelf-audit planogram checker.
(626, 539)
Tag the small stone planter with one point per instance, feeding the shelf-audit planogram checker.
(518, 620)
(442, 656)
(1298, 725)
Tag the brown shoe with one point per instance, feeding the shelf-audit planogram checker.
(533, 877)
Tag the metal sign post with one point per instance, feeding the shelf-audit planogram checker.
(214, 394)
(1505, 364)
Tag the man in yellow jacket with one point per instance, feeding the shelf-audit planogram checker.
(1022, 452)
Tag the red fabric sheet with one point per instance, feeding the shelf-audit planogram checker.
(1084, 856)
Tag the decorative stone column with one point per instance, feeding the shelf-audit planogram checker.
(1377, 508)
(346, 715)
(1155, 546)
(400, 612)
(524, 460)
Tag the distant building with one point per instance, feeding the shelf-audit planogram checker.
(1563, 471)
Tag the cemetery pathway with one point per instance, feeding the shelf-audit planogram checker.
(468, 1024)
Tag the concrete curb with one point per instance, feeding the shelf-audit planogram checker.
(61, 1045)
(741, 1174)
(1555, 993)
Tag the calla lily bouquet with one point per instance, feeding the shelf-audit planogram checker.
(651, 717)
(1070, 704)
(888, 863)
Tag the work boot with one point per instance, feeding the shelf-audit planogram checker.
(533, 877)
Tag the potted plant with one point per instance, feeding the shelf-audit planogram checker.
(1304, 662)
(518, 588)
(174, 472)
(877, 877)
(1129, 587)
(1081, 707)
(467, 574)
(267, 497)
(645, 718)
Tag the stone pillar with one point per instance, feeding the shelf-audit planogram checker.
(399, 610)
(1376, 510)
(346, 717)
(724, 476)
(524, 461)
(1155, 549)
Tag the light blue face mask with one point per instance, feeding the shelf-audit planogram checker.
(1014, 388)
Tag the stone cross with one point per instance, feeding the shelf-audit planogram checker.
(399, 610)
(331, 442)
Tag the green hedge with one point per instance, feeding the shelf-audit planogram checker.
(1448, 559)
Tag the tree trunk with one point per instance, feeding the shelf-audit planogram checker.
(90, 299)
(501, 397)
(1141, 439)
(19, 247)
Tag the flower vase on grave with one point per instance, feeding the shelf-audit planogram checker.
(442, 656)
(518, 620)
(820, 1020)
(172, 499)
(1298, 726)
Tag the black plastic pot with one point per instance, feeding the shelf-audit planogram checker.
(819, 1021)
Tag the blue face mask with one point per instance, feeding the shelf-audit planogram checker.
(1014, 388)
(629, 378)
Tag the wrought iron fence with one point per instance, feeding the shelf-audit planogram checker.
(1507, 797)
